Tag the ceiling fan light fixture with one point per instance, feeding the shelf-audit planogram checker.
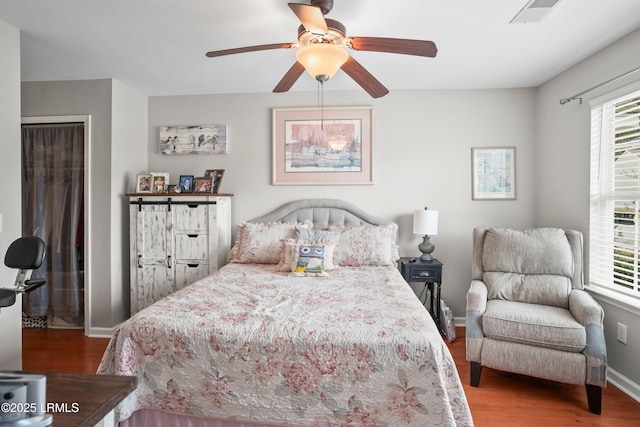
(322, 60)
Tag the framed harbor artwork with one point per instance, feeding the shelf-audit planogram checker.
(322, 146)
(199, 139)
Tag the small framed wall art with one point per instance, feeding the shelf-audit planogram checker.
(493, 173)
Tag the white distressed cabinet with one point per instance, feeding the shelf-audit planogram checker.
(175, 241)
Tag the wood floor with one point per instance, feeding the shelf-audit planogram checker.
(61, 350)
(501, 400)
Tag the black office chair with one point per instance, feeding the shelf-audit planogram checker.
(26, 254)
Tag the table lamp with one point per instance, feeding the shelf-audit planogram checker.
(425, 222)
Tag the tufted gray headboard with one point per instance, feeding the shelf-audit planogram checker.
(322, 212)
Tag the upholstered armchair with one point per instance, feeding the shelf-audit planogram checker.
(527, 312)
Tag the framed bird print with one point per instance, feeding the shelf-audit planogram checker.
(198, 139)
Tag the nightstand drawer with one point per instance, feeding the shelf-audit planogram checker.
(425, 274)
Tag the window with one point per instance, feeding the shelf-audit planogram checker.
(614, 260)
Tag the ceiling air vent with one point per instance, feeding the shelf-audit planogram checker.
(534, 11)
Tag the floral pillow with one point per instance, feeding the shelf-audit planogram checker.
(367, 245)
(311, 258)
(259, 243)
(289, 248)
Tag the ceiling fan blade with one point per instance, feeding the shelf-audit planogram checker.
(364, 78)
(402, 46)
(311, 18)
(215, 53)
(289, 78)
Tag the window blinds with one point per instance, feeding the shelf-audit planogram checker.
(615, 195)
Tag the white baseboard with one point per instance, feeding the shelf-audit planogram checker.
(623, 383)
(614, 377)
(101, 332)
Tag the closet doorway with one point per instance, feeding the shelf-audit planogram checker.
(54, 189)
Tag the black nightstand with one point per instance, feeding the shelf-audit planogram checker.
(430, 274)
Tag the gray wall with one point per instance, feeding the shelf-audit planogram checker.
(562, 181)
(421, 157)
(118, 121)
(10, 172)
(129, 112)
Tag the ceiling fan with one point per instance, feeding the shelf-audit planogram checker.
(323, 43)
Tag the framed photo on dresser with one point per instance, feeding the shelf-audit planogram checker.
(143, 183)
(186, 182)
(160, 182)
(216, 176)
(202, 184)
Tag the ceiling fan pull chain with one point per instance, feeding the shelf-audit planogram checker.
(321, 102)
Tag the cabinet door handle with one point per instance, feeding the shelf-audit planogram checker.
(424, 274)
(169, 261)
(139, 263)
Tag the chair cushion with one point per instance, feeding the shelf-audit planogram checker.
(546, 289)
(533, 324)
(532, 266)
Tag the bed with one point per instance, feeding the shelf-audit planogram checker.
(309, 324)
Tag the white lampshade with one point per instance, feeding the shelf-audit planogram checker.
(322, 59)
(425, 222)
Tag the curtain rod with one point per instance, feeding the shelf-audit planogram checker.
(578, 95)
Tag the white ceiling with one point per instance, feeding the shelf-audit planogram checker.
(158, 46)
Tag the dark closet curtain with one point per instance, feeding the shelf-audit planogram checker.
(52, 198)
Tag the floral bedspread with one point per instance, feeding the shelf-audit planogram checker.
(247, 343)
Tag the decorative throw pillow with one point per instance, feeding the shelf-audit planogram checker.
(287, 246)
(367, 245)
(314, 235)
(259, 243)
(309, 258)
(291, 246)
